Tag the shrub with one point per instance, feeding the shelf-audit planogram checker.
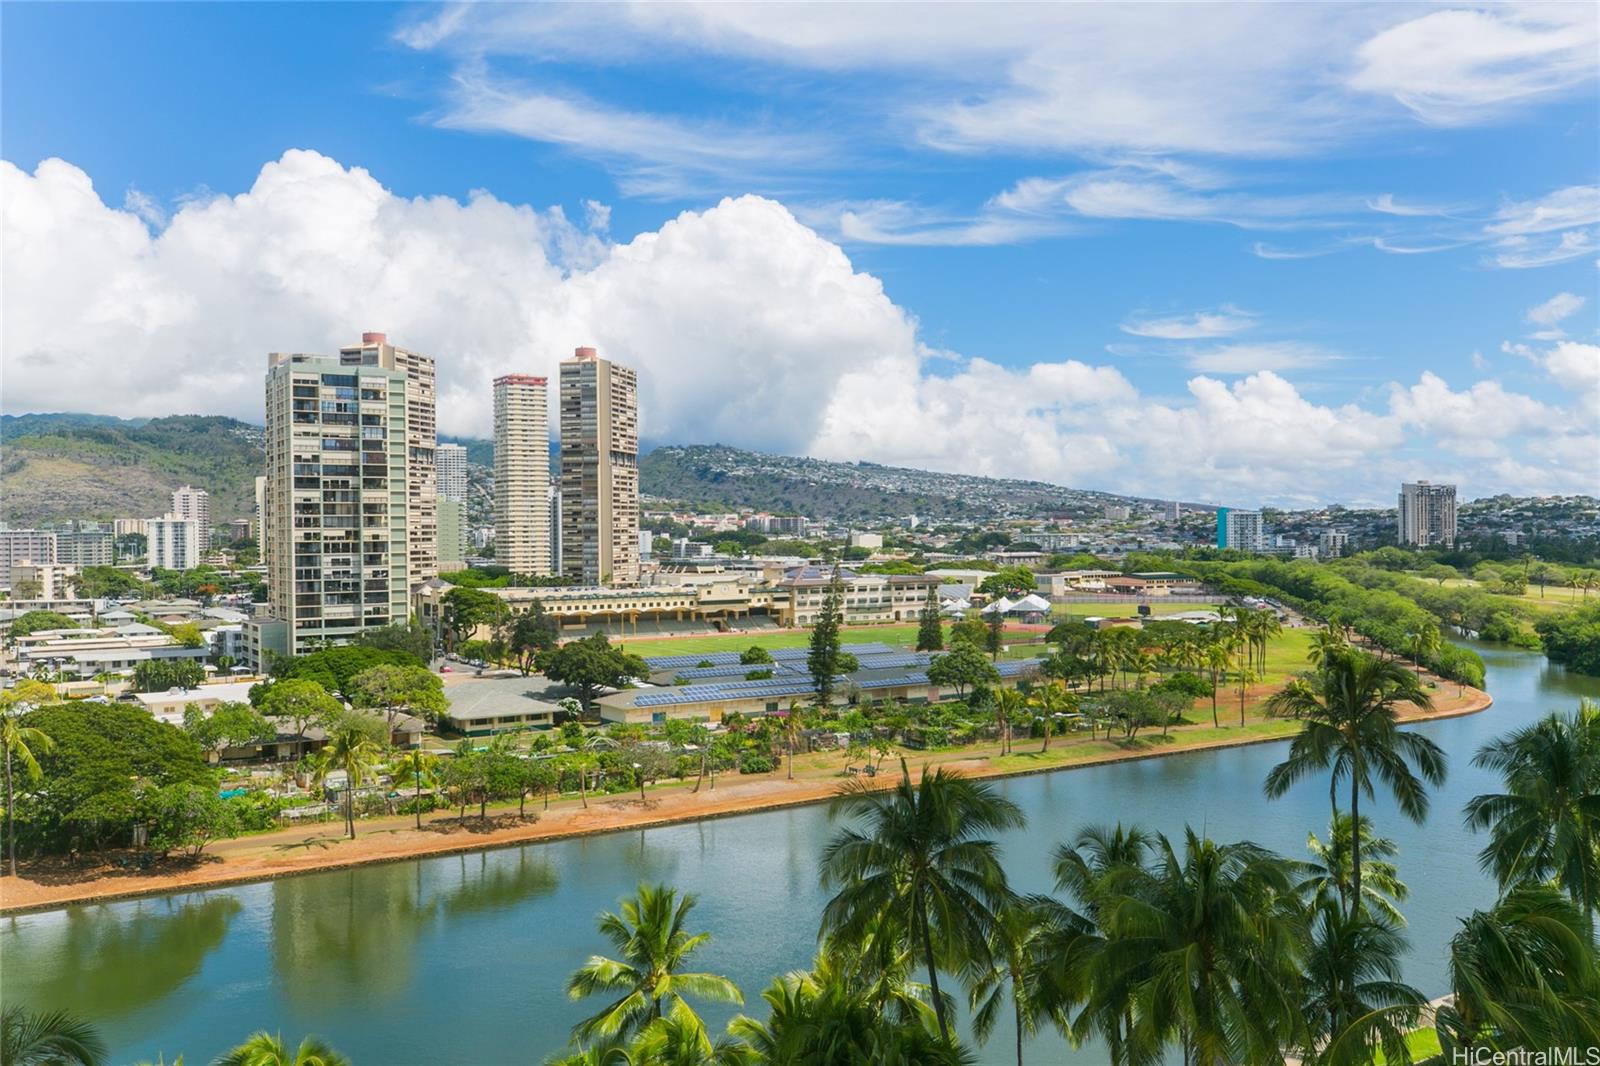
(756, 762)
(757, 675)
(256, 811)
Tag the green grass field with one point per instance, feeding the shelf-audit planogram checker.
(1548, 598)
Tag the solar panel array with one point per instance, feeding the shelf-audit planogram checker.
(697, 673)
(790, 677)
(781, 655)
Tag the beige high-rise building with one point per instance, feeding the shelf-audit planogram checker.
(1427, 516)
(190, 502)
(422, 518)
(337, 502)
(599, 471)
(522, 474)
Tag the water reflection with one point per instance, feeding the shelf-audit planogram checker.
(493, 881)
(92, 954)
(348, 938)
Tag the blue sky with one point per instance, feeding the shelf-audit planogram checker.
(1244, 254)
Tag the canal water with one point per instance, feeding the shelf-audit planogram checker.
(463, 959)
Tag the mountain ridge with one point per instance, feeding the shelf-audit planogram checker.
(65, 465)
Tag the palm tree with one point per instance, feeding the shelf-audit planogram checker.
(1327, 875)
(1522, 975)
(17, 742)
(1422, 641)
(1052, 697)
(265, 1049)
(1020, 930)
(922, 858)
(48, 1038)
(654, 946)
(350, 748)
(829, 1015)
(1008, 703)
(1325, 643)
(1210, 945)
(1217, 660)
(679, 1038)
(793, 723)
(419, 765)
(1076, 971)
(1355, 1003)
(1348, 711)
(1546, 824)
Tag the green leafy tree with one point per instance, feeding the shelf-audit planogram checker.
(755, 655)
(591, 664)
(187, 635)
(918, 860)
(31, 622)
(186, 817)
(1008, 581)
(335, 668)
(48, 1038)
(411, 638)
(395, 690)
(1350, 728)
(265, 1049)
(1545, 824)
(87, 792)
(466, 610)
(530, 635)
(162, 675)
(301, 703)
(962, 667)
(648, 979)
(930, 630)
(228, 725)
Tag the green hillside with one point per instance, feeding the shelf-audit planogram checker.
(56, 467)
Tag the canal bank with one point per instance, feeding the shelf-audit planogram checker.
(464, 959)
(293, 852)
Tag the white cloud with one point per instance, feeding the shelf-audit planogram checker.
(654, 155)
(732, 315)
(746, 327)
(1564, 208)
(1202, 324)
(1080, 78)
(1561, 305)
(1452, 67)
(1520, 252)
(1252, 358)
(1387, 204)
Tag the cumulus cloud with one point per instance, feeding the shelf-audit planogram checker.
(746, 327)
(731, 314)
